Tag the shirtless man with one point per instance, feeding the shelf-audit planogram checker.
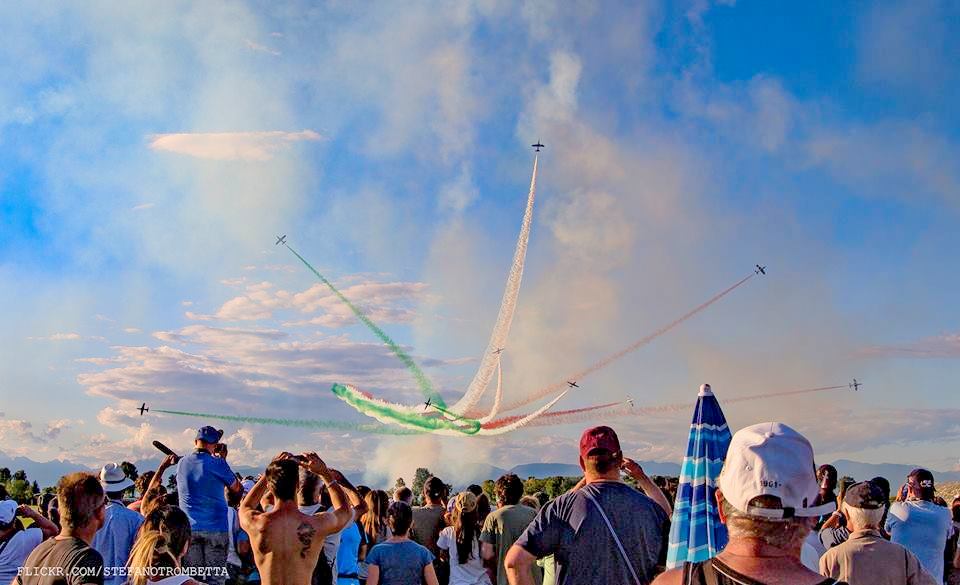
(287, 543)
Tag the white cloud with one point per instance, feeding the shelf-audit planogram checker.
(59, 337)
(142, 206)
(249, 146)
(131, 330)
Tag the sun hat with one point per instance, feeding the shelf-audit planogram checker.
(114, 479)
(771, 459)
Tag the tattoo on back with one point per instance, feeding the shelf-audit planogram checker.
(305, 532)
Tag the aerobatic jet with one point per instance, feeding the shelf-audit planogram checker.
(498, 351)
(143, 408)
(855, 386)
(538, 146)
(281, 240)
(572, 384)
(761, 270)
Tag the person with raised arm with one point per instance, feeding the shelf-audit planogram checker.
(286, 542)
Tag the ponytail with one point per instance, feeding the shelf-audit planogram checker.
(151, 556)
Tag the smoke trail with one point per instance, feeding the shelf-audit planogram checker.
(508, 304)
(299, 423)
(425, 386)
(497, 398)
(558, 415)
(548, 390)
(524, 421)
(404, 416)
(621, 409)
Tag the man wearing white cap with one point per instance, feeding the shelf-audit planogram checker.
(15, 542)
(115, 538)
(766, 493)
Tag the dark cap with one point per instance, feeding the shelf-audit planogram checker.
(922, 481)
(599, 438)
(865, 495)
(209, 434)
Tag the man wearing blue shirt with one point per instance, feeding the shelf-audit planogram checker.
(201, 477)
(115, 538)
(920, 525)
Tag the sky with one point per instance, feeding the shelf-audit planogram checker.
(149, 155)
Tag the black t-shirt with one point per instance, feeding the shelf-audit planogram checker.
(68, 561)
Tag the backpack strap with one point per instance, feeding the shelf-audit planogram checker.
(613, 533)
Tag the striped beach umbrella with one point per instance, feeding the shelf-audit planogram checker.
(696, 533)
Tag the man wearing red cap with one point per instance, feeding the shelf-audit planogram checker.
(604, 532)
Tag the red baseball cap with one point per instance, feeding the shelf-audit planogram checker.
(599, 438)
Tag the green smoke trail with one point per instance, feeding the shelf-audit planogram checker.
(380, 411)
(425, 386)
(299, 423)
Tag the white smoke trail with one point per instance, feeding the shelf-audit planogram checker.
(560, 385)
(523, 421)
(501, 329)
(497, 398)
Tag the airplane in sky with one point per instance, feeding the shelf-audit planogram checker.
(855, 386)
(572, 384)
(761, 270)
(281, 240)
(630, 401)
(538, 146)
(143, 408)
(428, 404)
(498, 351)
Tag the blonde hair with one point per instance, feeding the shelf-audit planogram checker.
(79, 496)
(160, 544)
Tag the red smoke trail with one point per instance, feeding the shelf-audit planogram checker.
(558, 386)
(620, 409)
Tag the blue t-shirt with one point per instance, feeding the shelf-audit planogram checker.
(400, 563)
(115, 538)
(348, 551)
(571, 529)
(922, 528)
(201, 478)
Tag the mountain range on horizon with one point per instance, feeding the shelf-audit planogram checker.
(49, 472)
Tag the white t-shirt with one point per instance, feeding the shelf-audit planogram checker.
(469, 573)
(18, 548)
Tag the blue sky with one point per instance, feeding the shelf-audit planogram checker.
(149, 154)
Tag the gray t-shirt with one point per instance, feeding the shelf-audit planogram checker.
(571, 529)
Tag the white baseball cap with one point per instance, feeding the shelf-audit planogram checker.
(8, 510)
(771, 459)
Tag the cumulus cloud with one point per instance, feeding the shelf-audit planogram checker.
(249, 146)
(383, 302)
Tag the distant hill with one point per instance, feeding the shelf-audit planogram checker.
(542, 470)
(895, 473)
(45, 473)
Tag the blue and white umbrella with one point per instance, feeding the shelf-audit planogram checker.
(696, 533)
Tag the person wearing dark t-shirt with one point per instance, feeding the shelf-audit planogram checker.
(68, 558)
(586, 529)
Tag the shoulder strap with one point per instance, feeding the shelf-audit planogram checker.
(699, 574)
(613, 533)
